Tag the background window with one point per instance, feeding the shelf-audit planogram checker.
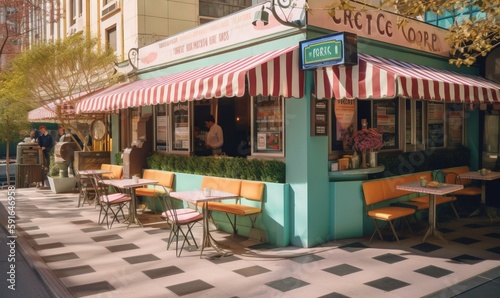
(268, 131)
(111, 38)
(435, 125)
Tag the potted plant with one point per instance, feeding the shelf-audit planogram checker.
(57, 183)
(368, 140)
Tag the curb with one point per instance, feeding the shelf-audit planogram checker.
(52, 283)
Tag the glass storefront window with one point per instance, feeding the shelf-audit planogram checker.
(435, 125)
(268, 128)
(414, 119)
(180, 133)
(161, 128)
(385, 120)
(455, 124)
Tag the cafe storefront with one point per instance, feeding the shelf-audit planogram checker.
(246, 72)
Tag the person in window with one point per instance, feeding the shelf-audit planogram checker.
(214, 138)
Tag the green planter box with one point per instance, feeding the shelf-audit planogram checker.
(272, 226)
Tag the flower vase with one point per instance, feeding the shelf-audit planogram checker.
(373, 159)
(363, 160)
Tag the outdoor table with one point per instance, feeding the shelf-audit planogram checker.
(197, 196)
(130, 185)
(440, 190)
(476, 175)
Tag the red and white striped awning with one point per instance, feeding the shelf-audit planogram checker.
(275, 73)
(48, 111)
(376, 77)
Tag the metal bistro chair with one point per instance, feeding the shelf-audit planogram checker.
(177, 219)
(86, 189)
(108, 201)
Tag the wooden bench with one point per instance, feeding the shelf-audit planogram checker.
(116, 171)
(248, 203)
(165, 182)
(385, 204)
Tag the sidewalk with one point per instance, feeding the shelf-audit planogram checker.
(89, 260)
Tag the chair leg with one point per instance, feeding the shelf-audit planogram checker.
(377, 230)
(393, 230)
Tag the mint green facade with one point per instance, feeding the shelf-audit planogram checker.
(308, 209)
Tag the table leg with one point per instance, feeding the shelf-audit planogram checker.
(132, 217)
(432, 220)
(208, 240)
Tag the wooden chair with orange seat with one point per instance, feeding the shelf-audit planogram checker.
(452, 176)
(116, 171)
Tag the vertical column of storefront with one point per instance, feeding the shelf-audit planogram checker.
(472, 137)
(307, 173)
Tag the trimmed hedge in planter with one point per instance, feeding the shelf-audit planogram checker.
(229, 167)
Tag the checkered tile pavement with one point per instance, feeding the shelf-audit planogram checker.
(92, 261)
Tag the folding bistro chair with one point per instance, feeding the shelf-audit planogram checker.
(177, 219)
(108, 201)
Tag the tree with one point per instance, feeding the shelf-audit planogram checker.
(12, 116)
(469, 39)
(62, 71)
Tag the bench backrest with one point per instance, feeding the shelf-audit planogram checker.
(164, 178)
(375, 191)
(224, 184)
(252, 190)
(451, 175)
(116, 171)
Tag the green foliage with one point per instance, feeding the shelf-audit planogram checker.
(229, 167)
(53, 167)
(118, 158)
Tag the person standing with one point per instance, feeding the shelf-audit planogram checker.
(46, 143)
(214, 138)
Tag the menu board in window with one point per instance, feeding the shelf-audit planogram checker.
(385, 116)
(268, 117)
(455, 120)
(161, 127)
(180, 127)
(435, 124)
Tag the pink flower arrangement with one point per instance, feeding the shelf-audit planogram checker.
(367, 140)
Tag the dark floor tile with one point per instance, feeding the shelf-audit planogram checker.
(29, 228)
(468, 259)
(65, 272)
(487, 289)
(47, 246)
(106, 238)
(93, 229)
(190, 287)
(60, 257)
(122, 247)
(390, 258)
(307, 259)
(433, 271)
(141, 259)
(82, 222)
(387, 284)
(162, 272)
(251, 271)
(157, 231)
(494, 249)
(446, 230)
(343, 269)
(38, 236)
(466, 240)
(91, 289)
(287, 284)
(426, 247)
(353, 247)
(493, 235)
(68, 215)
(334, 295)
